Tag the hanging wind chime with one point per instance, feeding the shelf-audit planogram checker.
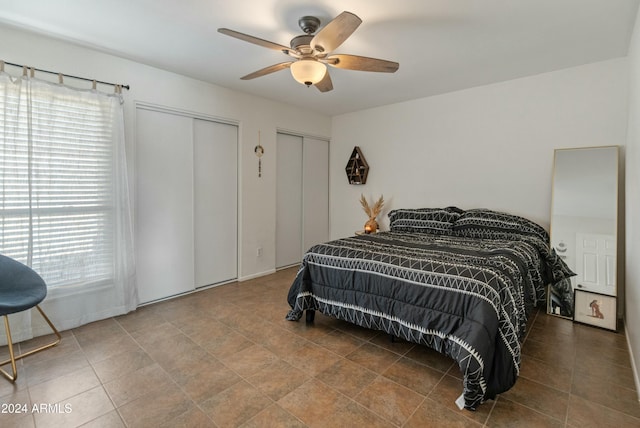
(259, 152)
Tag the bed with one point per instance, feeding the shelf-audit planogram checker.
(460, 282)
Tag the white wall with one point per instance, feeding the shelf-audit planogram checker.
(490, 146)
(154, 86)
(632, 301)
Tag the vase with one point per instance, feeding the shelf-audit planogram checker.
(371, 226)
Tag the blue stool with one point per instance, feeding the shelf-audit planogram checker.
(21, 288)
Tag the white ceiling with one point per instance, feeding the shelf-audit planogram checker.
(441, 45)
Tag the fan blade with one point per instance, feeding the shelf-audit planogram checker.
(362, 63)
(335, 32)
(254, 40)
(325, 85)
(267, 70)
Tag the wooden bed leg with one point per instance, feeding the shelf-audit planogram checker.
(392, 338)
(310, 314)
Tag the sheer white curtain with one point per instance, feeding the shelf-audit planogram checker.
(64, 203)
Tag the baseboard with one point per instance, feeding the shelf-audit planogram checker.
(256, 275)
(636, 379)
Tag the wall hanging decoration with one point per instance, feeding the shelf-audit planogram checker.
(259, 150)
(371, 226)
(357, 168)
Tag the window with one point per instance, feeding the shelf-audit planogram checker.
(57, 164)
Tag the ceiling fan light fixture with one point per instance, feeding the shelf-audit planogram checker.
(312, 52)
(308, 71)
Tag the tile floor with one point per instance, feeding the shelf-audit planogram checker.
(226, 357)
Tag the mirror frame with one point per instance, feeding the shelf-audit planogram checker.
(616, 226)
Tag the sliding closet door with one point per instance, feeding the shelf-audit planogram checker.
(186, 203)
(215, 158)
(288, 200)
(315, 194)
(164, 201)
(302, 196)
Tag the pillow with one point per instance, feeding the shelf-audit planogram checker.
(424, 220)
(484, 223)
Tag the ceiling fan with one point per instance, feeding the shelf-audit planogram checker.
(312, 53)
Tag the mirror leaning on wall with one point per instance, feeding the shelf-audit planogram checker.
(584, 223)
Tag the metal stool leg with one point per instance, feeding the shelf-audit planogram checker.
(11, 355)
(12, 358)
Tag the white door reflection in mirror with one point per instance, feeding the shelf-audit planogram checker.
(595, 263)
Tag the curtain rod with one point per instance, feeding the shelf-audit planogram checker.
(66, 75)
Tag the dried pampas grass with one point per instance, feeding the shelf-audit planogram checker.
(373, 211)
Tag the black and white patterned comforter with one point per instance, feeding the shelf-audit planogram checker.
(465, 297)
